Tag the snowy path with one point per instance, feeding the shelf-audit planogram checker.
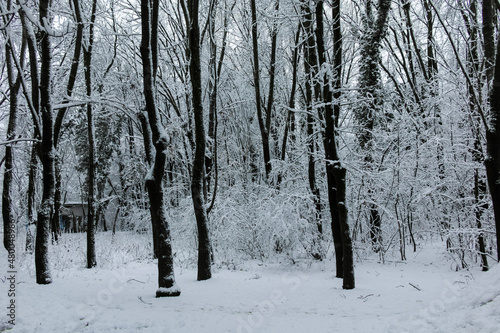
(266, 298)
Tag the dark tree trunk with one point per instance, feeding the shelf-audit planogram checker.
(43, 275)
(335, 172)
(264, 131)
(9, 221)
(492, 160)
(154, 181)
(32, 180)
(488, 12)
(87, 63)
(204, 247)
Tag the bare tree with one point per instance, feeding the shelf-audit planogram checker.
(87, 62)
(154, 181)
(335, 172)
(492, 160)
(198, 177)
(43, 275)
(9, 220)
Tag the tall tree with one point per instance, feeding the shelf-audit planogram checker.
(198, 175)
(492, 160)
(158, 150)
(87, 63)
(335, 172)
(9, 220)
(43, 275)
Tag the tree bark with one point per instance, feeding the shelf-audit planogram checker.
(488, 13)
(492, 160)
(87, 60)
(150, 157)
(198, 175)
(32, 180)
(335, 172)
(154, 181)
(9, 220)
(43, 275)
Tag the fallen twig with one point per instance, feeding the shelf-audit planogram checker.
(414, 286)
(140, 298)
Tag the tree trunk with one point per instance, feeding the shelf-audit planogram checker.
(335, 172)
(43, 275)
(204, 247)
(488, 13)
(264, 131)
(91, 227)
(154, 181)
(32, 180)
(492, 160)
(9, 220)
(150, 156)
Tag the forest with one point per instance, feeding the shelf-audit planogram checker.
(213, 135)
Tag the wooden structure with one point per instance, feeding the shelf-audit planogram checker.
(73, 217)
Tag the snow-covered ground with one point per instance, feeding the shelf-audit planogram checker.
(422, 294)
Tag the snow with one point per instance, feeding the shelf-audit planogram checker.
(422, 294)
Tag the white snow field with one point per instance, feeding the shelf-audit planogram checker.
(422, 294)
